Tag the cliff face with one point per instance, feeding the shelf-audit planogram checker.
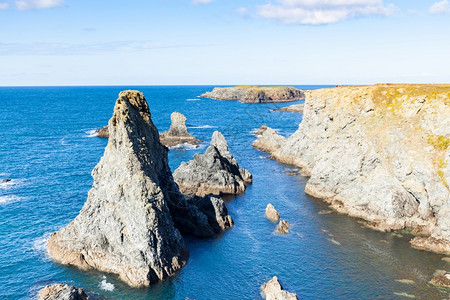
(129, 222)
(380, 153)
(256, 94)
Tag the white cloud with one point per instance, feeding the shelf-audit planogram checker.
(242, 11)
(441, 7)
(201, 1)
(37, 4)
(4, 6)
(316, 12)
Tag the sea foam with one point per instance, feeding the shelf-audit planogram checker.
(107, 286)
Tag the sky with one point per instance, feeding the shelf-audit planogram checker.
(223, 42)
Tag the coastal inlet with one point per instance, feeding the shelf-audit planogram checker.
(47, 151)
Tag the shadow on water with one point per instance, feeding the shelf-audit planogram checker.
(45, 145)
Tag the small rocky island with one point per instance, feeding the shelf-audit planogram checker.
(380, 153)
(214, 172)
(176, 135)
(62, 292)
(130, 224)
(273, 290)
(256, 94)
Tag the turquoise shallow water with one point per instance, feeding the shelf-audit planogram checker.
(46, 148)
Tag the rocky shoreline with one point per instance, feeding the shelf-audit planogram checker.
(379, 153)
(256, 94)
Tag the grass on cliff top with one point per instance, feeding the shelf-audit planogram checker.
(389, 93)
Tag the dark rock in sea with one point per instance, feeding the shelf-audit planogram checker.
(102, 132)
(177, 133)
(62, 292)
(271, 213)
(128, 225)
(256, 94)
(6, 180)
(441, 278)
(283, 227)
(214, 172)
(272, 290)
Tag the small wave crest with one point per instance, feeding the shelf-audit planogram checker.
(40, 245)
(91, 133)
(106, 286)
(10, 199)
(198, 99)
(10, 183)
(184, 146)
(202, 126)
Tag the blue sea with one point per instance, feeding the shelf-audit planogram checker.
(48, 150)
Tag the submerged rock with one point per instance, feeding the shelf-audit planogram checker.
(441, 278)
(271, 213)
(272, 290)
(128, 224)
(283, 227)
(269, 141)
(256, 94)
(214, 172)
(378, 153)
(297, 108)
(177, 133)
(62, 292)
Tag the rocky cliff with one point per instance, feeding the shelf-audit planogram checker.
(129, 222)
(380, 153)
(256, 94)
(177, 133)
(214, 172)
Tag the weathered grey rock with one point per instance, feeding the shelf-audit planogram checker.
(271, 213)
(269, 141)
(102, 132)
(283, 227)
(378, 153)
(297, 108)
(62, 292)
(126, 225)
(256, 94)
(261, 129)
(214, 172)
(272, 290)
(441, 278)
(177, 133)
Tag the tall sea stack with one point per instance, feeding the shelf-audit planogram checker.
(126, 225)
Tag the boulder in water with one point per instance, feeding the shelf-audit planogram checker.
(272, 290)
(177, 133)
(271, 213)
(214, 172)
(62, 292)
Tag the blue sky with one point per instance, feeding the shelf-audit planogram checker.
(153, 42)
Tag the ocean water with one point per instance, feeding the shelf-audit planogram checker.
(47, 149)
